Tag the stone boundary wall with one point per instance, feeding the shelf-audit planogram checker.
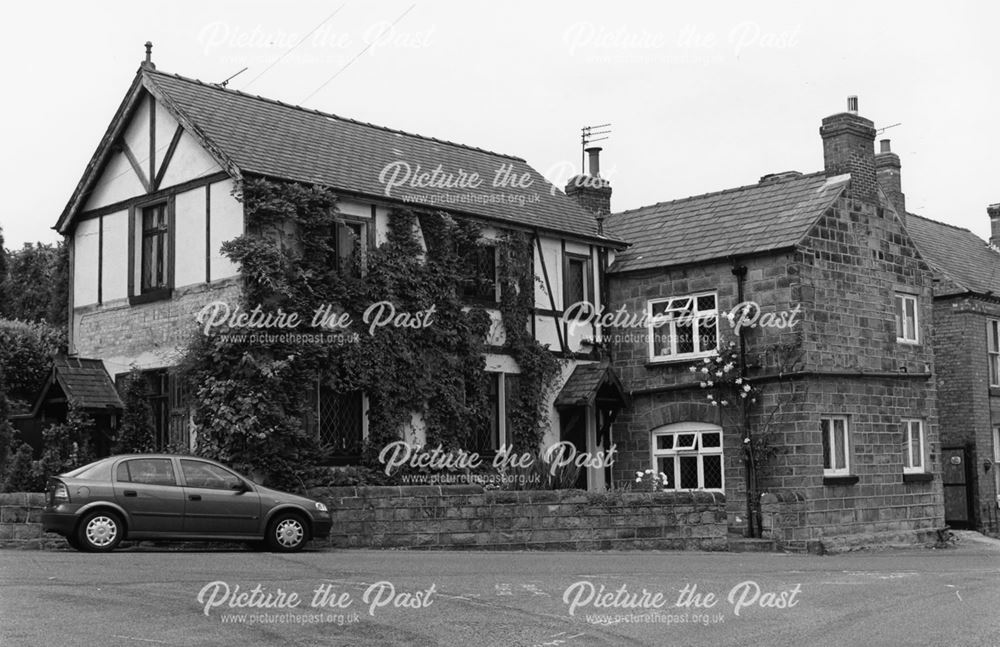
(21, 522)
(467, 517)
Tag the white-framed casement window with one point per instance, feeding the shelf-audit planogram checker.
(836, 446)
(684, 327)
(907, 324)
(689, 454)
(993, 350)
(914, 453)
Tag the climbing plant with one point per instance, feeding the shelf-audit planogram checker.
(252, 398)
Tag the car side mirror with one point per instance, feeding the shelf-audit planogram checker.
(240, 486)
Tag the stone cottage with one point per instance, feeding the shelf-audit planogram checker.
(846, 385)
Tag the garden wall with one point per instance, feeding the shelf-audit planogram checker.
(21, 522)
(467, 517)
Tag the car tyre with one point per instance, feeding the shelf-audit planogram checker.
(286, 533)
(100, 532)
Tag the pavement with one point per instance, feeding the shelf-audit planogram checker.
(146, 596)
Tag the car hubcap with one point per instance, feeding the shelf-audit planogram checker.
(101, 531)
(289, 533)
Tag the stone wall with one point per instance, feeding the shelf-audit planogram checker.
(21, 522)
(466, 517)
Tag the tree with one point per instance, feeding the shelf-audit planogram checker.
(67, 445)
(26, 351)
(36, 283)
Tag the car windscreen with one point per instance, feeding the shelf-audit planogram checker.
(96, 471)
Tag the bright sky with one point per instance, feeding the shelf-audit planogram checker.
(701, 96)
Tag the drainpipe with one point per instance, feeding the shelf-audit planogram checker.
(753, 511)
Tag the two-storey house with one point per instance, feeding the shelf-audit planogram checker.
(147, 220)
(846, 391)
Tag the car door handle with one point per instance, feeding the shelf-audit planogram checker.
(194, 497)
(130, 493)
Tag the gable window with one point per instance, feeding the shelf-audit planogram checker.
(993, 350)
(836, 452)
(155, 241)
(683, 327)
(578, 283)
(913, 451)
(906, 319)
(689, 455)
(350, 240)
(480, 283)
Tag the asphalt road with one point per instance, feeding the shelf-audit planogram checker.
(149, 598)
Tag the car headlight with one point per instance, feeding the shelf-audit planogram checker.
(319, 506)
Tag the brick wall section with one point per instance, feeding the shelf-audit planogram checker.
(968, 406)
(118, 330)
(21, 522)
(466, 517)
(844, 274)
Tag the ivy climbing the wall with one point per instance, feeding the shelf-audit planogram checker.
(252, 399)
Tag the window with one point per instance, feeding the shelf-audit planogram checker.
(148, 471)
(906, 319)
(993, 350)
(683, 327)
(350, 239)
(996, 462)
(481, 281)
(913, 450)
(689, 455)
(836, 453)
(168, 399)
(155, 241)
(206, 475)
(578, 283)
(502, 391)
(340, 424)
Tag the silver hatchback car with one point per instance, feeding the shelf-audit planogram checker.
(162, 496)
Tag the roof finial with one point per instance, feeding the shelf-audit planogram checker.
(149, 55)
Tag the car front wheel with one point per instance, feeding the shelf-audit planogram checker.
(286, 533)
(100, 532)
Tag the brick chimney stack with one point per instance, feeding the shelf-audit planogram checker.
(591, 190)
(887, 169)
(994, 212)
(849, 147)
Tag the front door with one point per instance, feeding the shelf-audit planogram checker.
(573, 429)
(955, 478)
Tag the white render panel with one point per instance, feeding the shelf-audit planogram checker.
(114, 272)
(85, 260)
(190, 161)
(226, 224)
(137, 134)
(189, 216)
(118, 182)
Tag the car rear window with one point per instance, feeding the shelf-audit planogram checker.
(96, 471)
(151, 471)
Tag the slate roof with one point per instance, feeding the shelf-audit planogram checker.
(584, 383)
(85, 382)
(964, 261)
(252, 135)
(760, 217)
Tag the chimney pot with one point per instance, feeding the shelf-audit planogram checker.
(884, 146)
(594, 160)
(994, 213)
(852, 104)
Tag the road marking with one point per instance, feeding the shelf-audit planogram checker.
(145, 640)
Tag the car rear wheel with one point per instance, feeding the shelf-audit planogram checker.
(286, 533)
(100, 532)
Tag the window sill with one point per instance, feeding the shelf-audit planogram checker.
(834, 481)
(161, 294)
(908, 342)
(667, 361)
(917, 477)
